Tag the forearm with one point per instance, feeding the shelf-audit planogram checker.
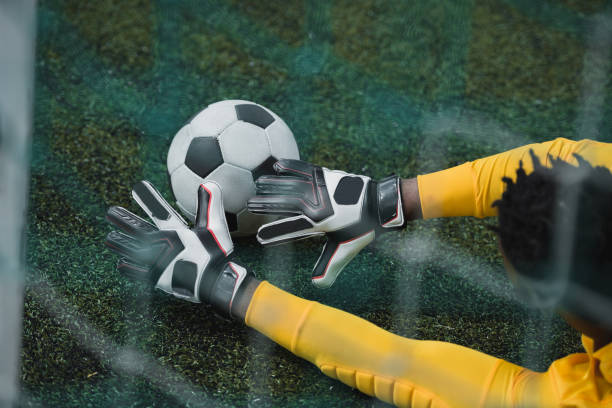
(397, 370)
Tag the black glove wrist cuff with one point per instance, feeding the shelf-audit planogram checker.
(226, 288)
(389, 202)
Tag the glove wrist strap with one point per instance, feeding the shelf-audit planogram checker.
(226, 288)
(390, 212)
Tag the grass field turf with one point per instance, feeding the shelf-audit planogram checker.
(371, 87)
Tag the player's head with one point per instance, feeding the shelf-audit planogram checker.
(555, 229)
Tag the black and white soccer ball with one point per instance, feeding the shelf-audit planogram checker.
(231, 142)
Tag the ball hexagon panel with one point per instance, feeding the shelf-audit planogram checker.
(184, 183)
(244, 145)
(264, 168)
(178, 148)
(274, 115)
(282, 142)
(254, 114)
(239, 180)
(232, 222)
(203, 155)
(216, 117)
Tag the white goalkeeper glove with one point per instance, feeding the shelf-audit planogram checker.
(189, 263)
(350, 209)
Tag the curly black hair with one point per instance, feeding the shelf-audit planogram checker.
(556, 224)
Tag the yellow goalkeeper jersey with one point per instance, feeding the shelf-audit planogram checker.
(471, 188)
(418, 373)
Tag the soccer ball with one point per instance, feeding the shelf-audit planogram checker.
(230, 142)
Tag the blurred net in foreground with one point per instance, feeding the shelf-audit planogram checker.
(16, 68)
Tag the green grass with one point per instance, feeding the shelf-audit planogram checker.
(363, 85)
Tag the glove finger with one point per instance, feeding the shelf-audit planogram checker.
(156, 207)
(134, 270)
(130, 247)
(287, 229)
(335, 256)
(211, 215)
(283, 185)
(129, 222)
(202, 207)
(292, 167)
(277, 204)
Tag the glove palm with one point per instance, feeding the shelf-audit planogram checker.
(350, 209)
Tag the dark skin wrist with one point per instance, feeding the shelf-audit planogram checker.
(411, 202)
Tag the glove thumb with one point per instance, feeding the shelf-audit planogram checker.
(210, 215)
(336, 255)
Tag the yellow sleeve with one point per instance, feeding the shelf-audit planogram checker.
(397, 370)
(472, 187)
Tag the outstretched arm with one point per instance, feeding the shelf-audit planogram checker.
(351, 210)
(397, 370)
(471, 188)
(192, 264)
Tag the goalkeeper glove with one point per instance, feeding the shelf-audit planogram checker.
(189, 263)
(350, 209)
